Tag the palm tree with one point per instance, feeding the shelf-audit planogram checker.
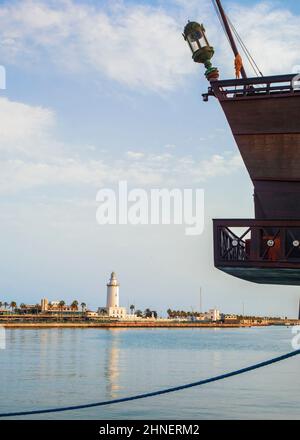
(61, 305)
(132, 308)
(139, 313)
(13, 305)
(83, 307)
(1, 304)
(148, 313)
(6, 305)
(74, 305)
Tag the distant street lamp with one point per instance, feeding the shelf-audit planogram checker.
(194, 35)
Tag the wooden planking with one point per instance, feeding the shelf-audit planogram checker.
(271, 156)
(277, 200)
(260, 116)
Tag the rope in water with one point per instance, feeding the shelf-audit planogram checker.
(155, 393)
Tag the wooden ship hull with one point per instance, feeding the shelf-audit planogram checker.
(263, 116)
(262, 113)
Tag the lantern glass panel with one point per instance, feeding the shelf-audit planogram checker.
(202, 42)
(197, 41)
(194, 45)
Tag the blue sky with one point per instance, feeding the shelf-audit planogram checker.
(103, 91)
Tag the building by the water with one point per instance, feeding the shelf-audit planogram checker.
(55, 306)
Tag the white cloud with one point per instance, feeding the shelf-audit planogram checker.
(27, 159)
(137, 45)
(217, 165)
(271, 33)
(135, 155)
(24, 127)
(140, 46)
(18, 175)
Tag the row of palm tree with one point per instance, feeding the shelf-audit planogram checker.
(13, 305)
(74, 306)
(182, 314)
(146, 314)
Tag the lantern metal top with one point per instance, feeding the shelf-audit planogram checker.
(193, 28)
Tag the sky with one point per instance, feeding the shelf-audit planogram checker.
(103, 91)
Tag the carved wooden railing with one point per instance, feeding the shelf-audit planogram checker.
(248, 242)
(254, 87)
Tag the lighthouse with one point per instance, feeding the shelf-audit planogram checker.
(112, 292)
(113, 309)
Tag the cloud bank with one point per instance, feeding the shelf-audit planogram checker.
(31, 157)
(140, 46)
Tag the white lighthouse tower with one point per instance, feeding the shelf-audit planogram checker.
(113, 308)
(112, 292)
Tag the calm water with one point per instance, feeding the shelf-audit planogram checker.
(55, 367)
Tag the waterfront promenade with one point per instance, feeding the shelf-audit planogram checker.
(127, 324)
(35, 321)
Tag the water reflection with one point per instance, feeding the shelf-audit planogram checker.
(41, 369)
(112, 365)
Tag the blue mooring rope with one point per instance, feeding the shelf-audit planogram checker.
(155, 393)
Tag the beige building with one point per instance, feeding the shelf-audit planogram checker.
(54, 306)
(44, 305)
(214, 315)
(91, 314)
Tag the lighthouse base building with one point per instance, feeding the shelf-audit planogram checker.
(113, 309)
(117, 312)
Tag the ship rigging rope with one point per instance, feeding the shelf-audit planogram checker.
(250, 58)
(246, 50)
(220, 19)
(156, 393)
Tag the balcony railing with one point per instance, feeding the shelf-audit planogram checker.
(257, 243)
(253, 87)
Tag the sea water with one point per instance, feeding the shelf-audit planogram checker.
(44, 368)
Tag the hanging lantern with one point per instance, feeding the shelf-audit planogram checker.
(194, 34)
